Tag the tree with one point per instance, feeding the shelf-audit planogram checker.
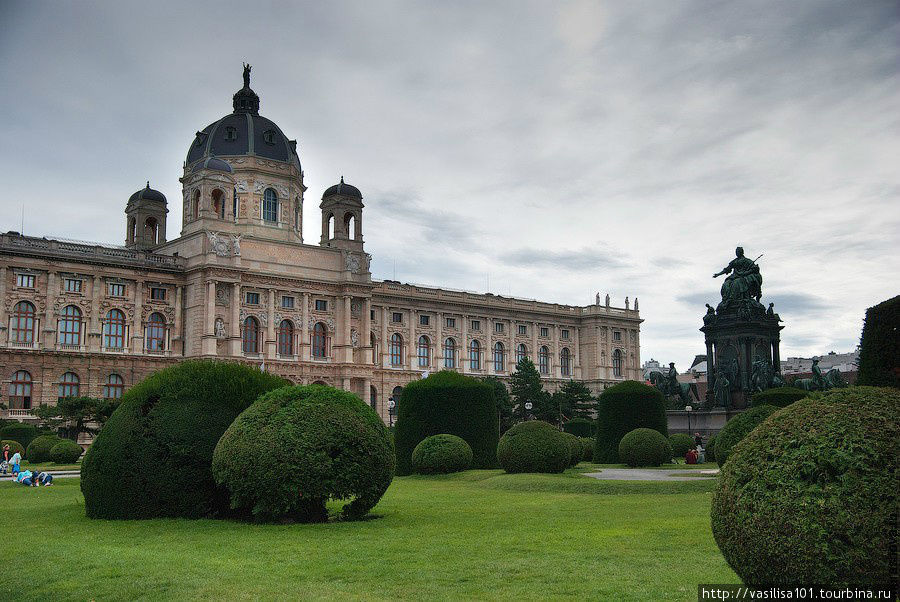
(575, 400)
(525, 386)
(504, 403)
(76, 415)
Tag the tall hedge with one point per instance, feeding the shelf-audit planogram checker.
(879, 347)
(22, 432)
(779, 396)
(580, 427)
(621, 409)
(153, 457)
(739, 427)
(447, 402)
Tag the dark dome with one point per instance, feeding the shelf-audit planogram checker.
(343, 189)
(147, 194)
(213, 163)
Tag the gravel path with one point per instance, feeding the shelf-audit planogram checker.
(637, 474)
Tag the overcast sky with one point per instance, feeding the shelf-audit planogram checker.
(550, 149)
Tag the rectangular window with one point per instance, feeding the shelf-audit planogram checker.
(25, 280)
(523, 330)
(73, 285)
(617, 336)
(321, 305)
(423, 320)
(157, 293)
(545, 332)
(251, 298)
(451, 322)
(564, 334)
(476, 324)
(397, 317)
(371, 314)
(498, 327)
(287, 302)
(114, 289)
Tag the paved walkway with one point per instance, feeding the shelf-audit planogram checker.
(638, 474)
(55, 473)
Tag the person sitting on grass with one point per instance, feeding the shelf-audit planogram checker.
(24, 477)
(43, 478)
(14, 462)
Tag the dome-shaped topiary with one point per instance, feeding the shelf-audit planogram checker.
(811, 495)
(66, 452)
(296, 448)
(575, 453)
(14, 446)
(587, 448)
(39, 449)
(681, 443)
(739, 427)
(644, 447)
(533, 446)
(622, 408)
(779, 396)
(440, 454)
(153, 456)
(711, 449)
(580, 427)
(22, 432)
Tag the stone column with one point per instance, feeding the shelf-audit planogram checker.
(438, 354)
(94, 332)
(464, 345)
(534, 344)
(49, 319)
(137, 335)
(348, 344)
(270, 327)
(413, 346)
(385, 348)
(576, 353)
(598, 332)
(208, 344)
(554, 353)
(179, 320)
(367, 393)
(4, 319)
(776, 355)
(511, 352)
(305, 347)
(365, 342)
(235, 342)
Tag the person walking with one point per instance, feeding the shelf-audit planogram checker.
(14, 463)
(4, 462)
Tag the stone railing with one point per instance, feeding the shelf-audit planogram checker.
(14, 242)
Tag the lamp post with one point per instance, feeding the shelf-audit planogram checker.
(528, 406)
(391, 405)
(689, 409)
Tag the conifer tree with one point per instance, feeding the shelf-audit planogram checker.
(575, 400)
(525, 386)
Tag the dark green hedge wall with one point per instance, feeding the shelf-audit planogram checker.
(580, 427)
(779, 396)
(879, 347)
(621, 409)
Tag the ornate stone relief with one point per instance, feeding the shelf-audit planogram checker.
(354, 337)
(355, 308)
(222, 295)
(220, 328)
(218, 244)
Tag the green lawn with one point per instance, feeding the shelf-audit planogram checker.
(50, 466)
(475, 535)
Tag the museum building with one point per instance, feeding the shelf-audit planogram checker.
(239, 283)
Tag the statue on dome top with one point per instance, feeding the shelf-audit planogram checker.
(247, 69)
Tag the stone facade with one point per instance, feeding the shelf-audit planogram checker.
(239, 283)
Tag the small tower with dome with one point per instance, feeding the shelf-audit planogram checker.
(342, 217)
(146, 219)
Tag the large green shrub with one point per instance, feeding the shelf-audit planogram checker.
(644, 447)
(575, 453)
(879, 347)
(39, 449)
(153, 457)
(681, 443)
(580, 427)
(710, 449)
(66, 452)
(22, 432)
(14, 446)
(621, 409)
(533, 446)
(779, 396)
(587, 448)
(739, 427)
(296, 448)
(448, 402)
(811, 495)
(441, 454)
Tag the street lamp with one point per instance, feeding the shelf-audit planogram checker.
(689, 409)
(391, 406)
(528, 406)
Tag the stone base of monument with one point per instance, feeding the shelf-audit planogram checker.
(705, 422)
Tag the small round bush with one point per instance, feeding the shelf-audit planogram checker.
(65, 452)
(441, 454)
(711, 449)
(296, 448)
(811, 495)
(587, 448)
(22, 432)
(533, 446)
(622, 408)
(14, 446)
(739, 427)
(779, 396)
(681, 443)
(575, 453)
(580, 427)
(644, 447)
(39, 449)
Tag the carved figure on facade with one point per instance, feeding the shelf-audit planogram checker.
(242, 186)
(222, 297)
(355, 308)
(354, 337)
(236, 243)
(220, 328)
(218, 244)
(626, 302)
(722, 388)
(351, 263)
(607, 300)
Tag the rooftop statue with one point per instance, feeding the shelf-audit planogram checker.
(247, 69)
(744, 280)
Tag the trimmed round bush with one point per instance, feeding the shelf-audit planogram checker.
(681, 443)
(811, 496)
(14, 446)
(621, 409)
(575, 453)
(296, 448)
(66, 452)
(153, 456)
(440, 454)
(710, 449)
(580, 427)
(39, 449)
(22, 432)
(780, 397)
(587, 448)
(447, 403)
(645, 447)
(533, 446)
(739, 427)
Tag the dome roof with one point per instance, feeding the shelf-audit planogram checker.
(243, 132)
(344, 189)
(213, 163)
(147, 194)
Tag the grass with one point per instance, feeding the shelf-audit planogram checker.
(49, 466)
(473, 535)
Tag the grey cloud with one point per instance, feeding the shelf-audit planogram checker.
(584, 259)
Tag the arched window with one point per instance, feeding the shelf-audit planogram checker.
(617, 362)
(449, 353)
(114, 387)
(250, 335)
(373, 342)
(499, 356)
(132, 229)
(22, 325)
(330, 227)
(320, 340)
(69, 385)
(114, 330)
(396, 349)
(424, 352)
(270, 205)
(544, 360)
(350, 226)
(395, 397)
(297, 225)
(373, 397)
(151, 230)
(286, 338)
(70, 326)
(195, 206)
(521, 352)
(156, 333)
(475, 355)
(20, 391)
(565, 362)
(218, 203)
